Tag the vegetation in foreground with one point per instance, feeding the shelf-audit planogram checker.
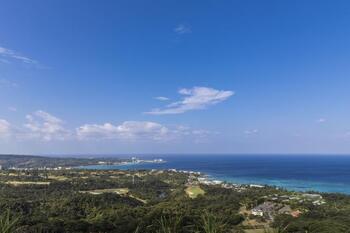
(80, 201)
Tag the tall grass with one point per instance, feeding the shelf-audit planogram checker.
(274, 230)
(8, 223)
(211, 224)
(169, 225)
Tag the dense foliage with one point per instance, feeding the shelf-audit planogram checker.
(144, 202)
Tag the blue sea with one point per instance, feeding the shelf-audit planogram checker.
(294, 172)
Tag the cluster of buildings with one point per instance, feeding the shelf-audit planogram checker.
(207, 181)
(136, 160)
(195, 178)
(185, 172)
(268, 210)
(133, 160)
(315, 199)
(280, 204)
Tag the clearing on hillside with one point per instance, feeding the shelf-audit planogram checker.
(194, 191)
(18, 183)
(120, 191)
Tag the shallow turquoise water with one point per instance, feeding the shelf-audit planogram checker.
(295, 172)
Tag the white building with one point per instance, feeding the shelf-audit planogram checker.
(257, 212)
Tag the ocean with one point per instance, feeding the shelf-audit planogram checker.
(322, 173)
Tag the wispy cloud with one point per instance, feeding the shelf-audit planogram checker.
(7, 83)
(11, 54)
(161, 98)
(182, 29)
(251, 131)
(5, 129)
(321, 120)
(128, 130)
(12, 109)
(5, 61)
(194, 99)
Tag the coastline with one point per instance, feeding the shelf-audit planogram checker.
(288, 184)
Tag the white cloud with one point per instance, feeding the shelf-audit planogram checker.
(10, 54)
(128, 130)
(5, 129)
(182, 29)
(321, 120)
(251, 131)
(133, 129)
(161, 98)
(138, 130)
(41, 125)
(45, 126)
(194, 99)
(95, 131)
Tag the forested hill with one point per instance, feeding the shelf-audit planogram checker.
(30, 161)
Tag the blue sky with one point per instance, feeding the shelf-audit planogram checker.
(174, 77)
